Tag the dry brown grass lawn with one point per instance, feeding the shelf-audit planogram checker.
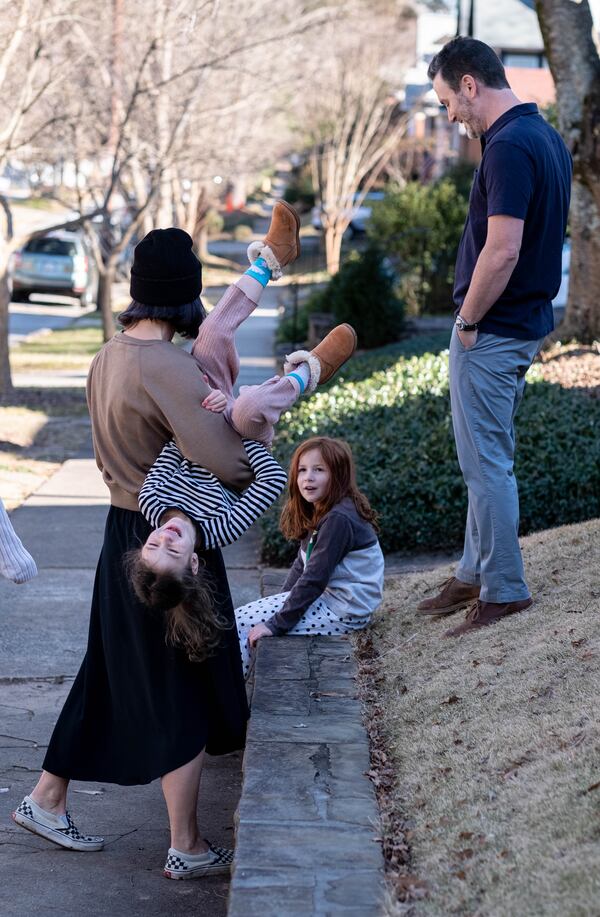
(39, 429)
(496, 741)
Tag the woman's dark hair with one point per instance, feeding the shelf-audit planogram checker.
(192, 622)
(186, 319)
(298, 516)
(468, 55)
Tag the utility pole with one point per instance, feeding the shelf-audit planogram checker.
(471, 27)
(471, 20)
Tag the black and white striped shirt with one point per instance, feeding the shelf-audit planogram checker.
(223, 516)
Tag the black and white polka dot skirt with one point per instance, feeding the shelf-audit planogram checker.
(317, 619)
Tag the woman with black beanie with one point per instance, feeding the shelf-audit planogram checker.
(139, 709)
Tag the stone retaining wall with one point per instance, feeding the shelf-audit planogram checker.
(307, 822)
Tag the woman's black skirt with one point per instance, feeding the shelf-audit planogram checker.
(138, 708)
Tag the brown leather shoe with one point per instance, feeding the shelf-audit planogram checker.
(281, 244)
(327, 357)
(480, 614)
(454, 594)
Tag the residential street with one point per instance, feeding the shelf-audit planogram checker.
(28, 318)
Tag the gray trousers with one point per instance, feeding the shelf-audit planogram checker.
(487, 382)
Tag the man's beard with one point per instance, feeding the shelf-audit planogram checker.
(472, 124)
(472, 132)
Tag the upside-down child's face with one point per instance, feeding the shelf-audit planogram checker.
(313, 476)
(171, 547)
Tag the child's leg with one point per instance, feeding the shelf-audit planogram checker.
(214, 348)
(258, 407)
(317, 620)
(16, 563)
(255, 613)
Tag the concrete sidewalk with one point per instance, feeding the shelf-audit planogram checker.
(44, 632)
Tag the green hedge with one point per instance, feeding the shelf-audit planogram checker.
(393, 408)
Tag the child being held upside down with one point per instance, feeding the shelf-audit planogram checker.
(188, 506)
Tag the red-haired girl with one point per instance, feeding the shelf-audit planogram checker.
(336, 581)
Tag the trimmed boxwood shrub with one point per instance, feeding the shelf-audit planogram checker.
(393, 408)
(362, 293)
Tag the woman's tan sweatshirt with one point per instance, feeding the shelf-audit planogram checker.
(141, 394)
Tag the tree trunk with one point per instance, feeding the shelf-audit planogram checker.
(567, 29)
(179, 208)
(582, 315)
(141, 191)
(199, 232)
(201, 242)
(105, 285)
(333, 248)
(6, 385)
(164, 216)
(116, 74)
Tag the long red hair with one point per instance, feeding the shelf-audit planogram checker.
(299, 517)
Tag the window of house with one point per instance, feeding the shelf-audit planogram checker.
(523, 59)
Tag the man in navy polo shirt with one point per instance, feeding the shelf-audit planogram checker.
(508, 270)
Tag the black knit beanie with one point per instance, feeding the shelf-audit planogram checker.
(165, 270)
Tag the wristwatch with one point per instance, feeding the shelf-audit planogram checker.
(462, 325)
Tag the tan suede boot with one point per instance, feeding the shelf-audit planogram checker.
(281, 244)
(327, 357)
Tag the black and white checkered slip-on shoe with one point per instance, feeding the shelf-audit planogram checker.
(215, 862)
(56, 828)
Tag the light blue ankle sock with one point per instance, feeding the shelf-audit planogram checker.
(301, 375)
(299, 380)
(260, 271)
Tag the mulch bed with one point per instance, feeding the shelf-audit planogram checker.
(573, 366)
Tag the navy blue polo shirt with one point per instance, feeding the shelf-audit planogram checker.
(525, 172)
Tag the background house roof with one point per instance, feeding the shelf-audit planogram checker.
(504, 24)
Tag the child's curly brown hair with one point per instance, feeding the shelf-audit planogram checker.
(192, 622)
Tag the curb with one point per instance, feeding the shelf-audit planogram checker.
(307, 825)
